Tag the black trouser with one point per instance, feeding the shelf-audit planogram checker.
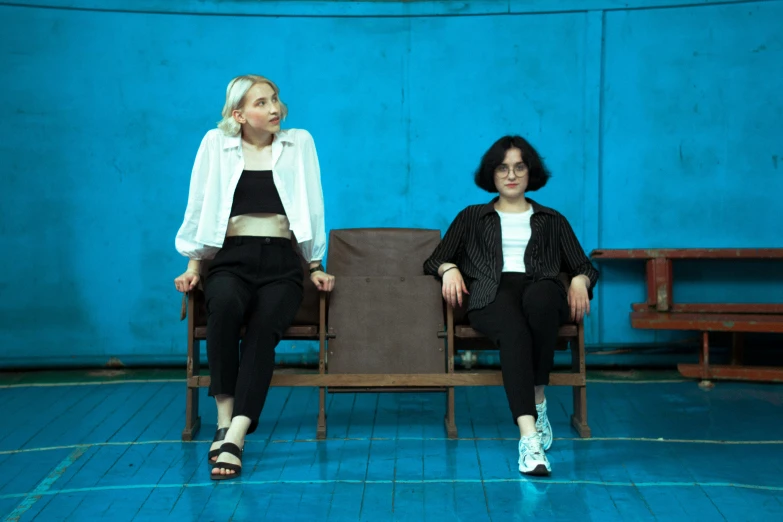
(523, 322)
(255, 281)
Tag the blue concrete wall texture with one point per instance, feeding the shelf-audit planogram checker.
(662, 124)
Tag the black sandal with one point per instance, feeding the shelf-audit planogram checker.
(220, 435)
(233, 449)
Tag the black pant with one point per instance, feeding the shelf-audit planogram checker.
(255, 281)
(523, 322)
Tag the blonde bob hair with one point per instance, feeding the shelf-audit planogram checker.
(235, 99)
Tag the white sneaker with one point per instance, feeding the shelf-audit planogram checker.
(543, 427)
(532, 459)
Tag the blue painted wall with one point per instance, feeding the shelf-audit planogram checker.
(662, 125)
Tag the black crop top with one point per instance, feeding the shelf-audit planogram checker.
(256, 194)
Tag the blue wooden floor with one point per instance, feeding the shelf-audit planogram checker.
(660, 451)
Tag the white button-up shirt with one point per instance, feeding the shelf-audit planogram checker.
(216, 172)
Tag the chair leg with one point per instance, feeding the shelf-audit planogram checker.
(192, 418)
(451, 426)
(579, 418)
(320, 432)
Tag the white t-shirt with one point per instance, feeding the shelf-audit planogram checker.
(515, 230)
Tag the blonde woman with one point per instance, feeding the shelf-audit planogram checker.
(253, 185)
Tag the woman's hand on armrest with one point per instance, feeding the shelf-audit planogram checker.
(578, 299)
(453, 285)
(188, 280)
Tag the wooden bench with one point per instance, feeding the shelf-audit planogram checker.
(660, 312)
(458, 336)
(374, 345)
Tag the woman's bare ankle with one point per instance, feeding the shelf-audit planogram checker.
(238, 430)
(527, 426)
(225, 407)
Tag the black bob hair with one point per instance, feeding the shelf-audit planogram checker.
(537, 172)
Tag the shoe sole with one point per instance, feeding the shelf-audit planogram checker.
(538, 471)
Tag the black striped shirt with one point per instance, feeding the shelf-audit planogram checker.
(473, 242)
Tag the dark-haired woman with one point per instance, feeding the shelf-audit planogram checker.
(507, 255)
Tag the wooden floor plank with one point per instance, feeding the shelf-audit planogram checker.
(49, 412)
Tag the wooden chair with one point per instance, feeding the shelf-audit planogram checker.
(384, 314)
(460, 336)
(309, 324)
(387, 326)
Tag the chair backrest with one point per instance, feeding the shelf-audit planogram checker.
(385, 314)
(380, 251)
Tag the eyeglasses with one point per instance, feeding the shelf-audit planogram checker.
(519, 170)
